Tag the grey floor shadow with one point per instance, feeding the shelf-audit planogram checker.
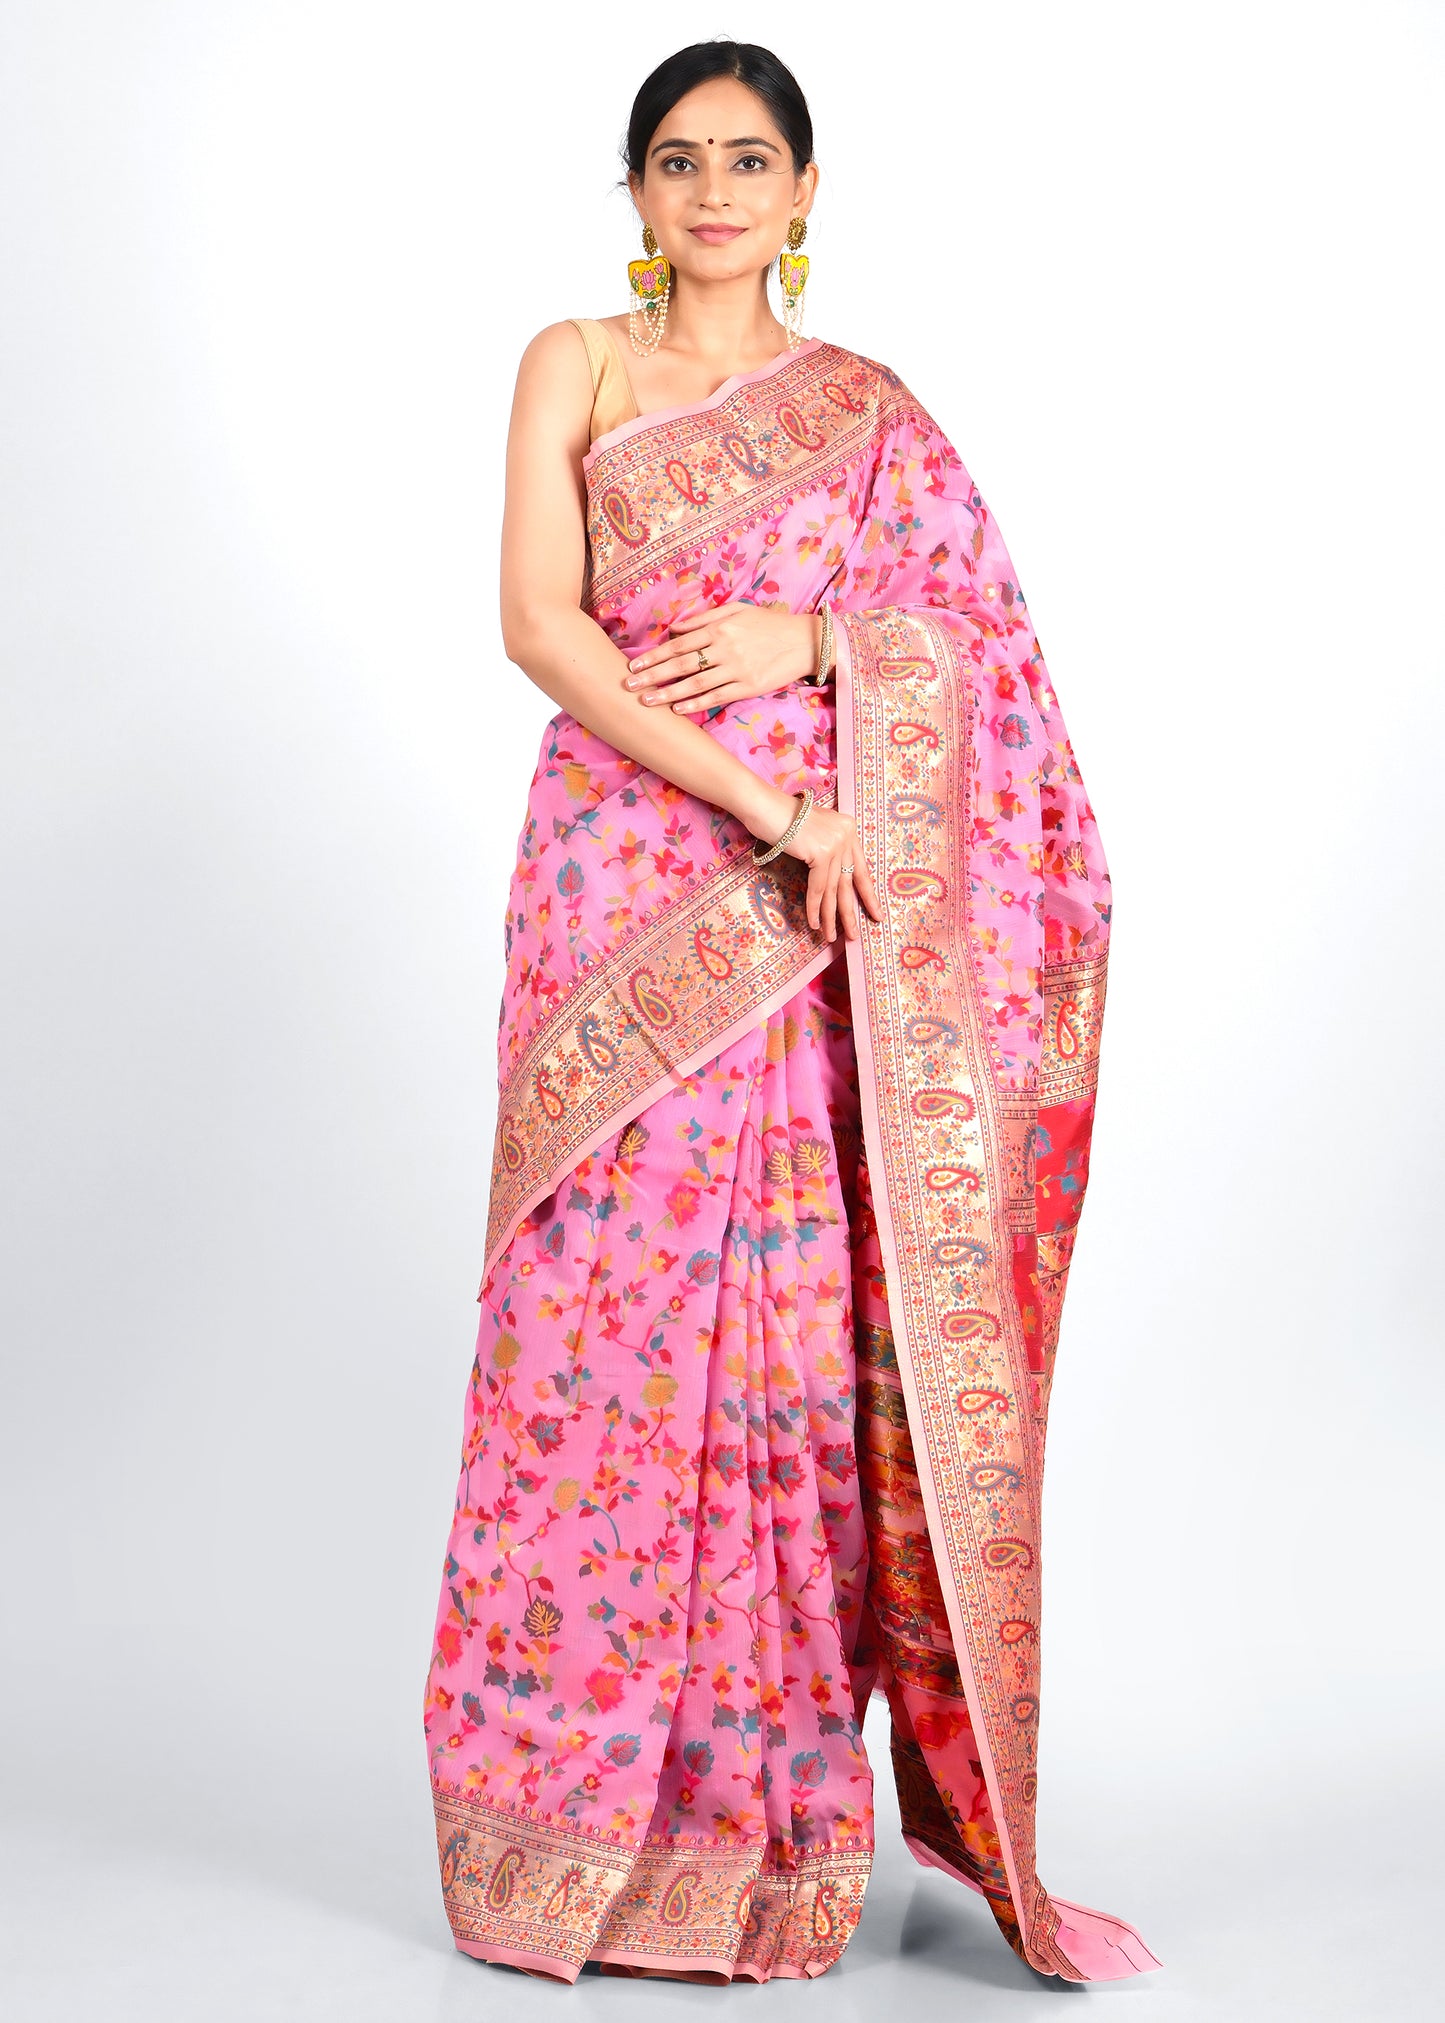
(948, 1930)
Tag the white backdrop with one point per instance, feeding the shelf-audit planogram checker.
(1171, 280)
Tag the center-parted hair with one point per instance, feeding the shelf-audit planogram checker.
(699, 63)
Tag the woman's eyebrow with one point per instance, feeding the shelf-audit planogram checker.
(749, 140)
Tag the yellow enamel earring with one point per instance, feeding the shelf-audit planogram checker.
(651, 280)
(793, 275)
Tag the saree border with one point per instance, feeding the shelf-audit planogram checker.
(702, 973)
(658, 498)
(935, 1134)
(637, 424)
(522, 1888)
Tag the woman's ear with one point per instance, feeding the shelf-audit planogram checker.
(805, 190)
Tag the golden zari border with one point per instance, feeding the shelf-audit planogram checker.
(943, 1141)
(702, 964)
(1073, 1020)
(551, 1890)
(669, 493)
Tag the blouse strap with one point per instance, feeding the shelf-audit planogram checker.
(613, 401)
(595, 339)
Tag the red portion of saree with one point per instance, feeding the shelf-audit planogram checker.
(778, 1243)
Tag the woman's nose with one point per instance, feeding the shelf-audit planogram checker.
(714, 192)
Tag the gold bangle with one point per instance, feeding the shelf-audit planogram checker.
(789, 833)
(819, 675)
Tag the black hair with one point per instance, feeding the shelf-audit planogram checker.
(699, 63)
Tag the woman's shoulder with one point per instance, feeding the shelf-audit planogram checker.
(555, 368)
(552, 399)
(561, 343)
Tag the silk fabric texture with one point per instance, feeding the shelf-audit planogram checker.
(778, 1238)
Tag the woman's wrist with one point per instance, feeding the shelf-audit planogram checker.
(765, 810)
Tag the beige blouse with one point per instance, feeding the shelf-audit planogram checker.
(613, 401)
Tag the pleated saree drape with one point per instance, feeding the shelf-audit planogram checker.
(779, 1235)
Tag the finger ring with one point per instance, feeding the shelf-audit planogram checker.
(702, 661)
(845, 870)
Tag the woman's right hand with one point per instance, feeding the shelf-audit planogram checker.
(825, 843)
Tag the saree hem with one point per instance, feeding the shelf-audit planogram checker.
(514, 1956)
(524, 1891)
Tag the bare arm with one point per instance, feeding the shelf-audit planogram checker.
(544, 629)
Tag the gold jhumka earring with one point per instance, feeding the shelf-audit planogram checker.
(651, 290)
(793, 274)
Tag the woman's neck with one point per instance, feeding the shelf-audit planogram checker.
(723, 324)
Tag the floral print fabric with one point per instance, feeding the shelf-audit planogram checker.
(650, 1431)
(656, 1573)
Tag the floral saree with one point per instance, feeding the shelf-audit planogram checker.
(779, 1235)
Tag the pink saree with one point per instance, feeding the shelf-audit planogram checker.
(778, 1241)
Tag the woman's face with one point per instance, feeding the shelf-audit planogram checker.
(718, 186)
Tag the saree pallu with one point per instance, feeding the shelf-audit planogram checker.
(778, 1240)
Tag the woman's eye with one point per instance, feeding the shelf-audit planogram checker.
(677, 162)
(751, 161)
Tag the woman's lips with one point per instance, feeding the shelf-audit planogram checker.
(716, 235)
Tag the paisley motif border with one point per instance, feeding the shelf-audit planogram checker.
(519, 1888)
(1074, 995)
(665, 494)
(939, 1137)
(703, 967)
(722, 1906)
(531, 1886)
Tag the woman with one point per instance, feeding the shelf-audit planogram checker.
(806, 955)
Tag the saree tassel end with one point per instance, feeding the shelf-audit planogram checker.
(1098, 1947)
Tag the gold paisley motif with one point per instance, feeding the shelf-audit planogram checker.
(909, 882)
(971, 1324)
(999, 1553)
(942, 1102)
(906, 670)
(649, 999)
(618, 510)
(982, 1401)
(791, 421)
(677, 1904)
(556, 1904)
(711, 956)
(682, 477)
(504, 1875)
(595, 1044)
(823, 1912)
(905, 734)
(1066, 1033)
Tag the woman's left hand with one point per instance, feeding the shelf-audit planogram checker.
(746, 649)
